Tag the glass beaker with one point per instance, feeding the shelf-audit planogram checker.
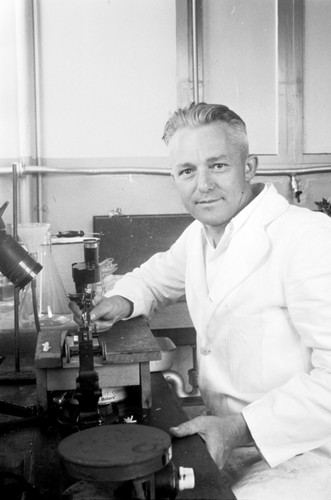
(51, 297)
(6, 290)
(32, 235)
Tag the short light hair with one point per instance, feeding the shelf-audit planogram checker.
(197, 115)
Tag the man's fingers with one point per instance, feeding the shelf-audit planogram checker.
(74, 307)
(194, 426)
(97, 299)
(182, 430)
(100, 310)
(77, 315)
(103, 325)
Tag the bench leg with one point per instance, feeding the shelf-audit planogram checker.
(145, 385)
(41, 381)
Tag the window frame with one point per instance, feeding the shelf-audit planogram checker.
(290, 85)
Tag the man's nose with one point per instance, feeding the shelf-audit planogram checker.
(205, 180)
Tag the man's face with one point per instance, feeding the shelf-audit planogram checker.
(211, 174)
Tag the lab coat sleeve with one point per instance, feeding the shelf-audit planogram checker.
(157, 282)
(296, 417)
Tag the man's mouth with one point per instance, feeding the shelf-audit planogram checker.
(207, 202)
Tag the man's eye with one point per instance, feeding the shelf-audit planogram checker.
(218, 166)
(186, 172)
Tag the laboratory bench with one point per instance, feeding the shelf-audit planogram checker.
(29, 448)
(32, 449)
(174, 322)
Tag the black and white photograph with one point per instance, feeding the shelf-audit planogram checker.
(165, 250)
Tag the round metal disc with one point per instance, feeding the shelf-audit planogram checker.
(119, 452)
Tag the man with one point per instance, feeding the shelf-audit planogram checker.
(257, 276)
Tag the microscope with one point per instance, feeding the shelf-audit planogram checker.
(82, 408)
(125, 461)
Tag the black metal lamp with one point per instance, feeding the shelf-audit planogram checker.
(15, 262)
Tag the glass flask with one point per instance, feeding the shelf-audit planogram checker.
(6, 303)
(51, 298)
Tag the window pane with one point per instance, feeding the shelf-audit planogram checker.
(317, 77)
(107, 76)
(240, 64)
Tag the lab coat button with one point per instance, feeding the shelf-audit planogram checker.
(204, 351)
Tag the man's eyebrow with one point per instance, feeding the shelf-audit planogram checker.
(209, 160)
(184, 165)
(213, 159)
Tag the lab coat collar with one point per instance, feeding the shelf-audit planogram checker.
(270, 206)
(264, 208)
(248, 247)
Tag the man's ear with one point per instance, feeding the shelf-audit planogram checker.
(250, 167)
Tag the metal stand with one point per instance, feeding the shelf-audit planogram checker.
(29, 413)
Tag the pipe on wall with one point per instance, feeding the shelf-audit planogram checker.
(26, 96)
(24, 170)
(195, 66)
(39, 170)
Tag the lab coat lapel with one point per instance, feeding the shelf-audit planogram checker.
(245, 254)
(248, 248)
(197, 266)
(196, 285)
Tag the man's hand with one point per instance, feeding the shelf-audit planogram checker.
(106, 311)
(221, 435)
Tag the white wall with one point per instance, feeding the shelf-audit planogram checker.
(8, 100)
(8, 82)
(71, 201)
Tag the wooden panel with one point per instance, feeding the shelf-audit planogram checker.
(53, 357)
(126, 342)
(109, 376)
(130, 342)
(132, 239)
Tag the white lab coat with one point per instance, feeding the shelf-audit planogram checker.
(263, 329)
